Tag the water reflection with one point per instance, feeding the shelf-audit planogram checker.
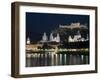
(52, 59)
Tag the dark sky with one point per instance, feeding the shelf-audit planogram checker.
(38, 23)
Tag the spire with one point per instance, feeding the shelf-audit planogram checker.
(44, 37)
(58, 37)
(28, 40)
(51, 37)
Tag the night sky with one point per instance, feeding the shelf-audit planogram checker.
(38, 23)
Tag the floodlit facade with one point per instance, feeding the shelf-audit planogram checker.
(55, 39)
(73, 25)
(51, 38)
(77, 38)
(28, 41)
(44, 37)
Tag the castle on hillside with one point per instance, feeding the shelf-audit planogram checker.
(73, 25)
(51, 38)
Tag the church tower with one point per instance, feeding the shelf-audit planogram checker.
(51, 37)
(58, 38)
(28, 41)
(44, 37)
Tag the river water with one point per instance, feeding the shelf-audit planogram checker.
(52, 59)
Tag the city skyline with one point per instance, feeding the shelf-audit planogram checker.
(38, 23)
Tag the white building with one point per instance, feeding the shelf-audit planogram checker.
(44, 37)
(56, 38)
(51, 38)
(77, 38)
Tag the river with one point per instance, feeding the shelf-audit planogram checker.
(52, 59)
